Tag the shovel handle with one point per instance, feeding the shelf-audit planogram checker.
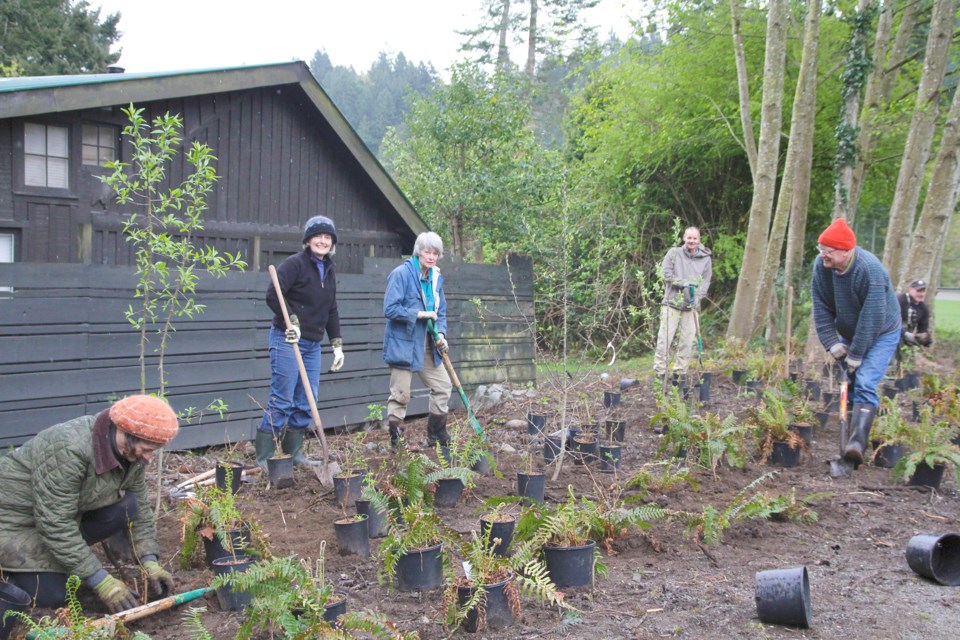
(304, 378)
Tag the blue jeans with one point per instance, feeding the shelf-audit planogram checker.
(288, 406)
(875, 363)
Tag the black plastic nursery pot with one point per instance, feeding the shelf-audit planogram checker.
(754, 386)
(536, 423)
(585, 449)
(823, 417)
(616, 430)
(889, 390)
(482, 465)
(231, 599)
(420, 569)
(611, 399)
(353, 537)
(888, 455)
(831, 401)
(347, 486)
(570, 567)
(804, 430)
(783, 596)
(706, 379)
(783, 455)
(448, 493)
(551, 448)
(236, 475)
(376, 520)
(497, 613)
(12, 598)
(812, 387)
(927, 476)
(737, 375)
(335, 606)
(530, 486)
(610, 455)
(936, 556)
(501, 529)
(908, 381)
(239, 538)
(280, 470)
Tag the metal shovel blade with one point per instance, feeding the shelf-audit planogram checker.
(840, 467)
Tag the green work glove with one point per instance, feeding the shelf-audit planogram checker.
(161, 581)
(115, 595)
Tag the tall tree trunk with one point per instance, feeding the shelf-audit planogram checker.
(919, 139)
(765, 181)
(532, 41)
(746, 120)
(797, 165)
(853, 82)
(503, 53)
(938, 206)
(880, 88)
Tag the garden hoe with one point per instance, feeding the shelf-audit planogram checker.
(840, 467)
(472, 419)
(326, 470)
(109, 623)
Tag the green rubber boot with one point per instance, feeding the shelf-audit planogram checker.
(292, 444)
(265, 447)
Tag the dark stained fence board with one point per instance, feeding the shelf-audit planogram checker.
(69, 351)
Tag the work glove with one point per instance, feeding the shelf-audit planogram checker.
(442, 343)
(923, 339)
(292, 335)
(161, 581)
(839, 351)
(337, 359)
(910, 339)
(427, 315)
(115, 595)
(852, 364)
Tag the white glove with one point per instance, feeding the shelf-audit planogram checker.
(441, 342)
(852, 364)
(427, 315)
(337, 359)
(838, 351)
(292, 334)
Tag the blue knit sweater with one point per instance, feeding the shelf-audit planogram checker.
(860, 304)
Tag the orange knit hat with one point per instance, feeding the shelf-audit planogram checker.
(146, 417)
(838, 236)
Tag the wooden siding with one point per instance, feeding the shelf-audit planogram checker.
(67, 350)
(279, 163)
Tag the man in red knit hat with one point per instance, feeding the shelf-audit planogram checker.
(857, 318)
(78, 483)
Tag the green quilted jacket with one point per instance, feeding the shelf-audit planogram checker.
(44, 487)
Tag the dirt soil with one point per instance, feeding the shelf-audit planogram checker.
(659, 582)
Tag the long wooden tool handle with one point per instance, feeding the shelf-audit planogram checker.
(151, 608)
(449, 367)
(304, 378)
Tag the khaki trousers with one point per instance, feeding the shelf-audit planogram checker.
(670, 321)
(433, 377)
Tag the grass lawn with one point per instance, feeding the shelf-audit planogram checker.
(947, 316)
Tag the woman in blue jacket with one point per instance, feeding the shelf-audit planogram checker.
(415, 297)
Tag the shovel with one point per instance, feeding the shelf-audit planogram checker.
(696, 319)
(840, 467)
(326, 470)
(472, 419)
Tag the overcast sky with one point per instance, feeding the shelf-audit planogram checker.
(197, 34)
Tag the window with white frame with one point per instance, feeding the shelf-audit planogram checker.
(99, 144)
(6, 253)
(46, 156)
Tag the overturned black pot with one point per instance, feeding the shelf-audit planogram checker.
(12, 598)
(353, 536)
(530, 486)
(783, 596)
(936, 557)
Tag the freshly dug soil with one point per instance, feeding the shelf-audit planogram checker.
(660, 583)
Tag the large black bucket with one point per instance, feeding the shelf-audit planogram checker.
(936, 557)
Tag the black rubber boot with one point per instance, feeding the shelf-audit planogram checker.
(396, 432)
(265, 447)
(292, 444)
(437, 430)
(861, 420)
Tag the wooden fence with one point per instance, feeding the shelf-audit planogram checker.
(67, 349)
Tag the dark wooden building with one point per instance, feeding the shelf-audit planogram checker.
(284, 153)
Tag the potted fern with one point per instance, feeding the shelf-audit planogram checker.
(212, 518)
(889, 434)
(348, 483)
(770, 420)
(930, 452)
(675, 420)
